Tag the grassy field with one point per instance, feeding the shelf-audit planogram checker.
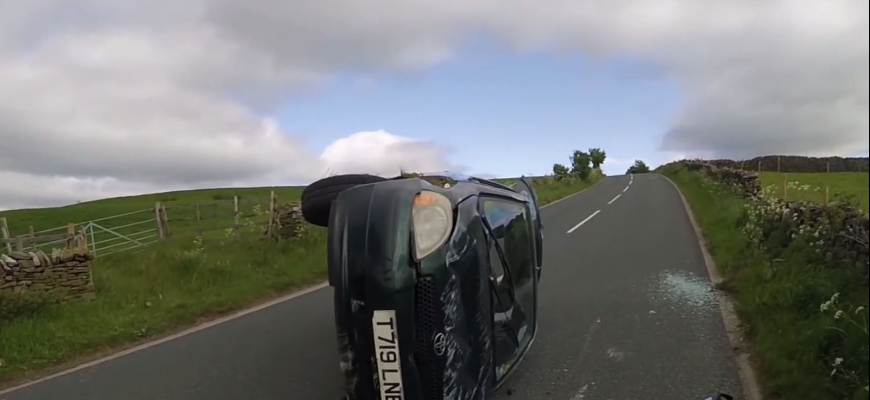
(854, 186)
(170, 285)
(212, 199)
(778, 298)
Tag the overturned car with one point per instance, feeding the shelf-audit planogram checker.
(435, 284)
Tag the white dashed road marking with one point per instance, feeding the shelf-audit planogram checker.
(614, 199)
(584, 221)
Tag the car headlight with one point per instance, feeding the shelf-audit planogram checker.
(432, 217)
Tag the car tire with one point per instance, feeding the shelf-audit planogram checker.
(317, 198)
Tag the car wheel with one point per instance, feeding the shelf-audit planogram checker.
(317, 198)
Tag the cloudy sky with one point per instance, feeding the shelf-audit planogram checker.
(101, 98)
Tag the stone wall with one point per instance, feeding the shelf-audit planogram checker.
(288, 222)
(838, 230)
(797, 164)
(65, 274)
(747, 182)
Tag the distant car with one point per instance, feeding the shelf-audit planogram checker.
(436, 285)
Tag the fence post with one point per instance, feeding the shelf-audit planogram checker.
(779, 164)
(829, 167)
(4, 234)
(827, 195)
(759, 165)
(236, 216)
(19, 244)
(159, 221)
(31, 234)
(271, 213)
(785, 188)
(82, 238)
(90, 228)
(198, 220)
(70, 235)
(165, 221)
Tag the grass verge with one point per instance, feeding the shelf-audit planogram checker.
(171, 286)
(148, 294)
(549, 190)
(802, 352)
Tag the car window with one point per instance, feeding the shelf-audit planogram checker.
(511, 258)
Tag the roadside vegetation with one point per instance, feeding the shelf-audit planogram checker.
(639, 167)
(173, 284)
(853, 187)
(804, 313)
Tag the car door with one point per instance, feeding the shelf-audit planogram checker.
(524, 187)
(513, 279)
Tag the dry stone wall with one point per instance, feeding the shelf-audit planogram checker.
(839, 229)
(64, 274)
(797, 164)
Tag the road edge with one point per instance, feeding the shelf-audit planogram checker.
(206, 325)
(748, 376)
(573, 194)
(168, 338)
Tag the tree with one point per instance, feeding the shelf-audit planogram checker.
(597, 156)
(560, 171)
(639, 167)
(580, 164)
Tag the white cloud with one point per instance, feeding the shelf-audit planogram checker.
(384, 154)
(150, 95)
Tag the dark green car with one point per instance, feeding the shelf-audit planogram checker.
(435, 284)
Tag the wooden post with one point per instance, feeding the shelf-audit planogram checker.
(159, 221)
(4, 234)
(70, 235)
(271, 213)
(827, 195)
(31, 234)
(165, 222)
(829, 167)
(759, 165)
(198, 220)
(779, 164)
(236, 215)
(785, 188)
(93, 240)
(19, 244)
(83, 238)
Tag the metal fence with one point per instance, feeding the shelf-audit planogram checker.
(141, 228)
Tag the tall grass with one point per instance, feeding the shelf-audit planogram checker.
(805, 350)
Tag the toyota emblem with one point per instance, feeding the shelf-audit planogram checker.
(440, 343)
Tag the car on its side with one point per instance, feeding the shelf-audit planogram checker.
(436, 285)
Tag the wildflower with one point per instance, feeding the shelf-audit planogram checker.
(825, 306)
(838, 361)
(839, 314)
(859, 310)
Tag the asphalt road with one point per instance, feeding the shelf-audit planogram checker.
(626, 312)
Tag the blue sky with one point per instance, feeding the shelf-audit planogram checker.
(500, 113)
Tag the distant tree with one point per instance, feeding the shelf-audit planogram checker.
(580, 164)
(597, 156)
(639, 167)
(561, 172)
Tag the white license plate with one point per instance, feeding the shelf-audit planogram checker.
(387, 352)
